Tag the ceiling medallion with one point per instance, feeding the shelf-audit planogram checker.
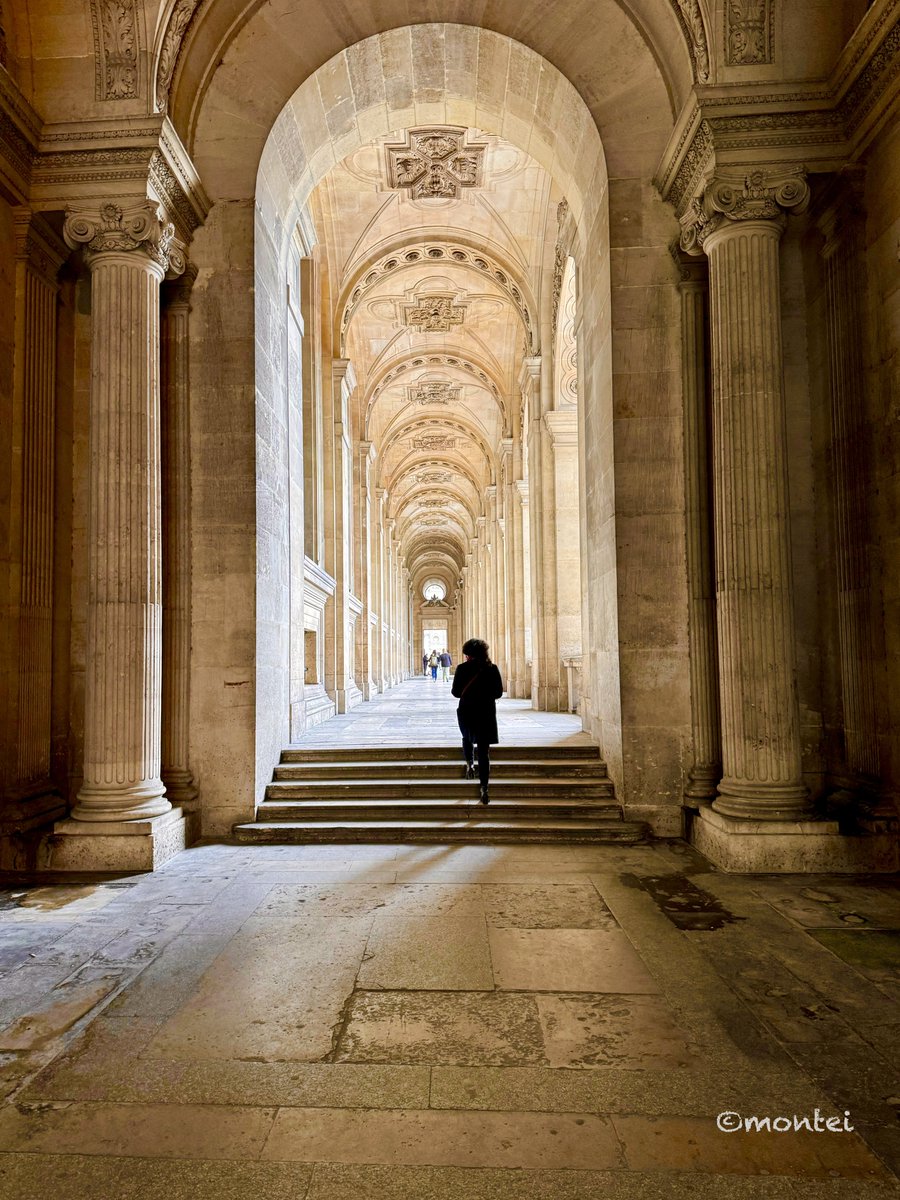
(434, 393)
(434, 314)
(434, 441)
(434, 164)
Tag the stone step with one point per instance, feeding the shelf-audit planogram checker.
(382, 753)
(443, 768)
(480, 829)
(298, 811)
(425, 789)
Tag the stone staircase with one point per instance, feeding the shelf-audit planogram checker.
(418, 794)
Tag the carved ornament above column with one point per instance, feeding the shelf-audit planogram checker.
(759, 196)
(112, 228)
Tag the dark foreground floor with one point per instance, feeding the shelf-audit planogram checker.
(331, 1022)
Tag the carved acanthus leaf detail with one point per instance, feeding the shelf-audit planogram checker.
(181, 17)
(116, 49)
(692, 20)
(748, 32)
(112, 229)
(758, 196)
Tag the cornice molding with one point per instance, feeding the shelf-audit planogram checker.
(20, 130)
(825, 125)
(82, 163)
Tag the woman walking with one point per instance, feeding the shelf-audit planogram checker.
(478, 686)
(433, 664)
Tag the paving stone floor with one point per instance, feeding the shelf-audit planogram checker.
(447, 1022)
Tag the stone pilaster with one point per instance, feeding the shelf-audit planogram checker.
(27, 638)
(705, 770)
(739, 225)
(842, 223)
(545, 664)
(339, 682)
(176, 542)
(128, 250)
(562, 449)
(523, 534)
(364, 587)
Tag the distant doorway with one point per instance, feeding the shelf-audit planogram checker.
(434, 639)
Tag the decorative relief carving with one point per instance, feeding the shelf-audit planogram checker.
(434, 164)
(760, 196)
(691, 19)
(116, 49)
(434, 393)
(434, 502)
(434, 441)
(695, 161)
(433, 522)
(181, 17)
(141, 227)
(748, 32)
(434, 314)
(445, 360)
(434, 477)
(436, 252)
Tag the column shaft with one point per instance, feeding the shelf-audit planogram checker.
(759, 708)
(26, 766)
(124, 632)
(176, 590)
(844, 290)
(706, 767)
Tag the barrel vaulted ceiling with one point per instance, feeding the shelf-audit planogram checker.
(435, 240)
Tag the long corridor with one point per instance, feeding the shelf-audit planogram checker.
(446, 1022)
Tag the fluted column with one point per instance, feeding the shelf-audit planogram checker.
(739, 225)
(706, 765)
(842, 223)
(364, 587)
(128, 252)
(27, 640)
(176, 509)
(524, 534)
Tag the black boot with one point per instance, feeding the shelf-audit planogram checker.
(485, 798)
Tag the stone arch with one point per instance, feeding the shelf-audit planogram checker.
(410, 252)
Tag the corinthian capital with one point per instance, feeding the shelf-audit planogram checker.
(140, 228)
(761, 195)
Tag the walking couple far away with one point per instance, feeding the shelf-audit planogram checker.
(478, 686)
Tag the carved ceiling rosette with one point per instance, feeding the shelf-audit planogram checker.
(112, 228)
(434, 314)
(434, 392)
(434, 164)
(434, 441)
(761, 195)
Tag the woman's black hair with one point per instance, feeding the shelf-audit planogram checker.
(476, 648)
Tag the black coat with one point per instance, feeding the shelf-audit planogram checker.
(477, 712)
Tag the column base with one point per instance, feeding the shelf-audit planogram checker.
(789, 847)
(142, 845)
(347, 698)
(549, 698)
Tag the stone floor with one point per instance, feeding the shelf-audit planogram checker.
(456, 1023)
